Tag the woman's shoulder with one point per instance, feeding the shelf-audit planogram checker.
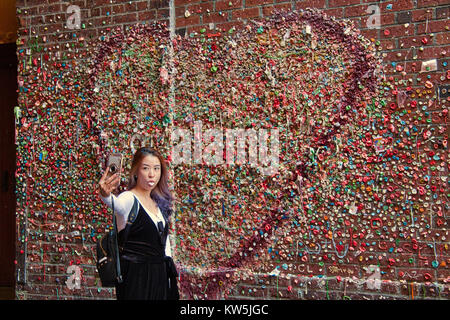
(126, 195)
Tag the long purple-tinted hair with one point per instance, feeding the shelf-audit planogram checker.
(161, 193)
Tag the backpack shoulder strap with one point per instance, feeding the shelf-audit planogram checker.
(116, 246)
(131, 218)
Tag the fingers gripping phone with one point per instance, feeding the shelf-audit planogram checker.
(114, 163)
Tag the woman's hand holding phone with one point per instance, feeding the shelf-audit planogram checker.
(108, 183)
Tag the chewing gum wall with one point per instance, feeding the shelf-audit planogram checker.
(306, 143)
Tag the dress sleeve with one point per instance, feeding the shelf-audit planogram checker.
(122, 206)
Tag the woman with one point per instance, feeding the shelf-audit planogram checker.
(147, 268)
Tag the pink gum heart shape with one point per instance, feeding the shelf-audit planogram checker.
(262, 68)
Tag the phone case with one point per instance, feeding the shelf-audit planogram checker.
(114, 163)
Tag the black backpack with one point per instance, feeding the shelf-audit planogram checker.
(108, 262)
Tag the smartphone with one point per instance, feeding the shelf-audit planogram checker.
(114, 163)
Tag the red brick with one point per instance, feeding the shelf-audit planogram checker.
(215, 17)
(398, 31)
(315, 295)
(51, 28)
(410, 274)
(430, 53)
(225, 27)
(245, 13)
(80, 3)
(129, 6)
(162, 14)
(200, 8)
(118, 9)
(388, 44)
(95, 12)
(269, 10)
(310, 4)
(31, 3)
(97, 3)
(225, 5)
(51, 9)
(342, 3)
(147, 15)
(442, 38)
(408, 42)
(335, 284)
(421, 15)
(430, 3)
(432, 27)
(336, 12)
(252, 3)
(179, 11)
(385, 20)
(400, 5)
(106, 10)
(388, 273)
(36, 20)
(191, 20)
(131, 17)
(353, 11)
(442, 12)
(161, 4)
(370, 33)
(179, 3)
(99, 21)
(257, 291)
(281, 293)
(141, 5)
(190, 29)
(389, 287)
(30, 11)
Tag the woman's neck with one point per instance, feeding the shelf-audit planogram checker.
(141, 192)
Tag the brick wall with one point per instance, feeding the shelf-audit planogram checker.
(411, 263)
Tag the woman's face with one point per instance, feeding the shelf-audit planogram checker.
(148, 173)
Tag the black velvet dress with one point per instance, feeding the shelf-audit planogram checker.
(145, 270)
